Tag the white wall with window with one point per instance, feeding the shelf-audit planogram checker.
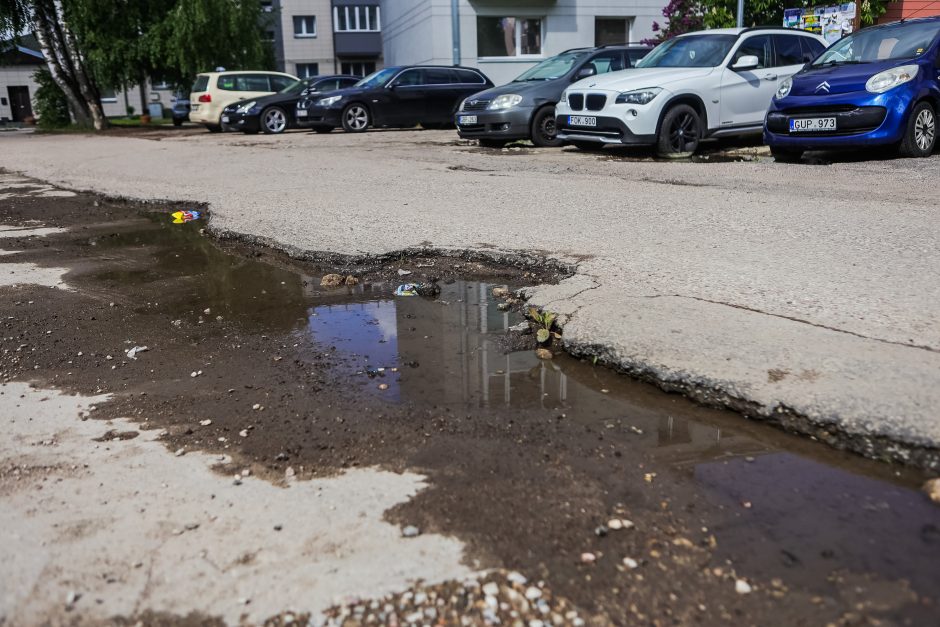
(306, 70)
(503, 39)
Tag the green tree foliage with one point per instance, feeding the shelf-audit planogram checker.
(52, 109)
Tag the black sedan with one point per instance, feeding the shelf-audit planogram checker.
(399, 96)
(275, 113)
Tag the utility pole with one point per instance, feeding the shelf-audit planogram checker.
(740, 13)
(455, 28)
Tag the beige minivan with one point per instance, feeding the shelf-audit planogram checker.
(213, 91)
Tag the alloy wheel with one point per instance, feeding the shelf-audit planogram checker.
(925, 129)
(275, 120)
(357, 118)
(683, 134)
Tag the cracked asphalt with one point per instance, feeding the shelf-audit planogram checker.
(805, 295)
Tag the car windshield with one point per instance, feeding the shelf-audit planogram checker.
(377, 78)
(296, 87)
(690, 51)
(550, 68)
(903, 40)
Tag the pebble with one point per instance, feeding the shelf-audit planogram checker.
(517, 578)
(180, 452)
(205, 423)
(600, 531)
(243, 433)
(742, 587)
(932, 488)
(500, 292)
(403, 272)
(491, 588)
(630, 563)
(588, 558)
(619, 523)
(410, 531)
(532, 593)
(72, 597)
(383, 386)
(256, 406)
(289, 473)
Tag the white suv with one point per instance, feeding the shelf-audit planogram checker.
(707, 84)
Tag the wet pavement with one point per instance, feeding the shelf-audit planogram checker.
(527, 459)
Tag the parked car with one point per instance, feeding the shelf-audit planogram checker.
(213, 91)
(714, 83)
(276, 113)
(525, 107)
(180, 110)
(399, 96)
(877, 86)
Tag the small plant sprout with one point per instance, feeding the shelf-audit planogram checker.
(545, 320)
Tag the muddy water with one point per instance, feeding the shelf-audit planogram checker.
(527, 458)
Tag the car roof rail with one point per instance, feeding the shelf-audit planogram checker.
(625, 45)
(576, 49)
(773, 27)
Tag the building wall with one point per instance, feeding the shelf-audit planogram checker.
(299, 50)
(903, 9)
(15, 75)
(419, 31)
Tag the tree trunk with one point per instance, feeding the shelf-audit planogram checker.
(66, 64)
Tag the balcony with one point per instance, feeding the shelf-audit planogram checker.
(358, 44)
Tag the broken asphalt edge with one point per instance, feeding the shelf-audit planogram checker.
(893, 448)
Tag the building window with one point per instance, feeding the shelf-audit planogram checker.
(306, 70)
(305, 26)
(267, 6)
(509, 36)
(357, 68)
(357, 18)
(611, 30)
(268, 36)
(108, 95)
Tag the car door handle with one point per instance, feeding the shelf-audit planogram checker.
(770, 77)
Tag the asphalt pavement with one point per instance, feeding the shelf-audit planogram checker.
(803, 294)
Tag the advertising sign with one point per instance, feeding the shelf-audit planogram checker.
(832, 22)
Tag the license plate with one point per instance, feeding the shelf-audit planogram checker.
(301, 113)
(194, 107)
(580, 120)
(224, 119)
(808, 125)
(467, 119)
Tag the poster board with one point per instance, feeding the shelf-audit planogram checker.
(833, 22)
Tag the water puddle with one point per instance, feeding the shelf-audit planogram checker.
(355, 375)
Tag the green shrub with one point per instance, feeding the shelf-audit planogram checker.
(52, 109)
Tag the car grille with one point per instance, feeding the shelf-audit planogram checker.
(596, 102)
(576, 101)
(475, 105)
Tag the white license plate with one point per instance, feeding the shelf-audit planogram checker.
(580, 120)
(467, 119)
(301, 113)
(194, 107)
(224, 119)
(808, 125)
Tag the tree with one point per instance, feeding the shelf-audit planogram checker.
(90, 44)
(52, 108)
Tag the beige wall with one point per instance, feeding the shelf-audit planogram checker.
(317, 49)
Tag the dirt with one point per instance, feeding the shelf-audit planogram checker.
(527, 460)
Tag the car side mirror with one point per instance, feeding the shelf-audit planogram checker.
(747, 62)
(585, 72)
(391, 86)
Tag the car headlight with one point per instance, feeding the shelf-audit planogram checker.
(325, 102)
(638, 96)
(889, 79)
(505, 101)
(463, 103)
(564, 98)
(784, 90)
(243, 108)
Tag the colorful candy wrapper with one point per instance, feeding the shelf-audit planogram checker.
(180, 217)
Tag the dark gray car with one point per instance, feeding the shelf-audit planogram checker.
(525, 108)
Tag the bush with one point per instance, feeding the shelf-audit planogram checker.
(52, 108)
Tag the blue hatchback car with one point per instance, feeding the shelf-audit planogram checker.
(877, 86)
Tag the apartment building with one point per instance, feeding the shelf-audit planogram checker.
(505, 38)
(313, 37)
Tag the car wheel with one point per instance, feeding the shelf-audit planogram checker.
(679, 133)
(273, 120)
(323, 129)
(177, 122)
(492, 143)
(786, 156)
(544, 132)
(355, 118)
(588, 146)
(213, 128)
(921, 135)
